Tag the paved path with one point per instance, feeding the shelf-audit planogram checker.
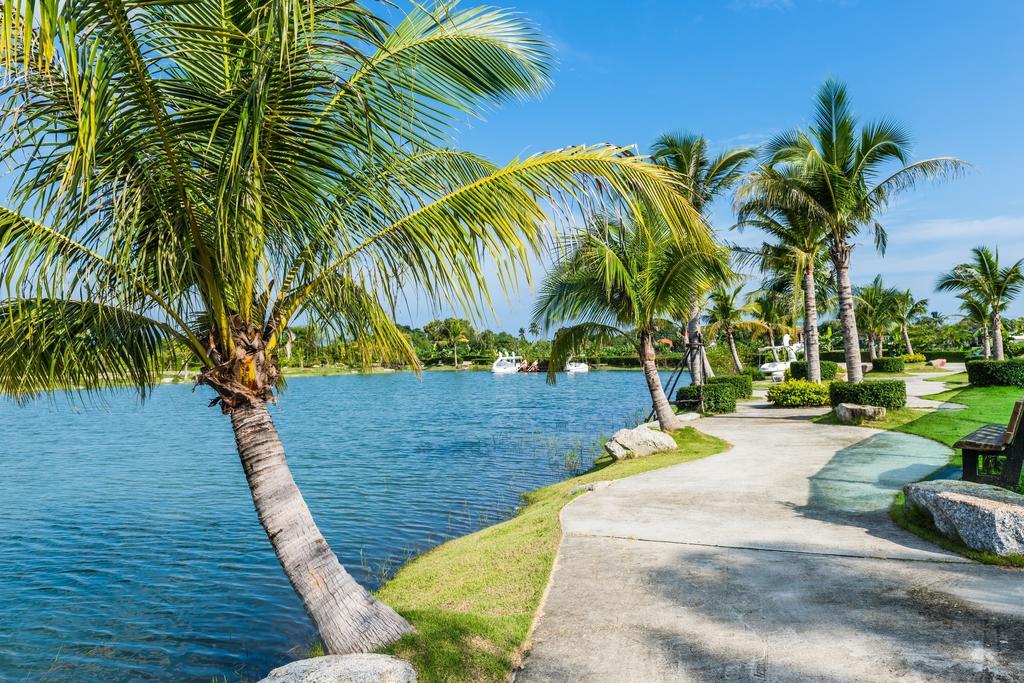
(773, 561)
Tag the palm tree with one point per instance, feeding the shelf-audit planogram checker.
(983, 278)
(839, 179)
(907, 309)
(976, 311)
(449, 333)
(726, 314)
(876, 313)
(796, 257)
(620, 276)
(706, 177)
(212, 172)
(772, 309)
(534, 330)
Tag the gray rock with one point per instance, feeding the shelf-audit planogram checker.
(636, 443)
(363, 668)
(855, 414)
(983, 517)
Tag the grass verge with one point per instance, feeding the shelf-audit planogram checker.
(472, 599)
(983, 405)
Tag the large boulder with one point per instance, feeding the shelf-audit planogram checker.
(983, 517)
(855, 414)
(636, 443)
(364, 668)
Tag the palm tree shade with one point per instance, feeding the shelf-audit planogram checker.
(622, 275)
(208, 173)
(984, 279)
(843, 177)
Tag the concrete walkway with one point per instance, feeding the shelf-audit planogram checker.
(773, 561)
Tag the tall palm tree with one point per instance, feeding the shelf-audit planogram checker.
(796, 256)
(844, 177)
(534, 330)
(876, 313)
(983, 278)
(449, 333)
(772, 309)
(211, 172)
(729, 312)
(620, 276)
(706, 177)
(907, 309)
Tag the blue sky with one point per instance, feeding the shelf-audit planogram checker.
(738, 71)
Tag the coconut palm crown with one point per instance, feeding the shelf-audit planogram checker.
(207, 173)
(844, 176)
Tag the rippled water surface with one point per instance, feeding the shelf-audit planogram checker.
(129, 548)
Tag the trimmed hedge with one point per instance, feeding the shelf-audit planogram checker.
(951, 356)
(914, 358)
(798, 369)
(798, 393)
(885, 393)
(888, 364)
(742, 385)
(718, 398)
(996, 373)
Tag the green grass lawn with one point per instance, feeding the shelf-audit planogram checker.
(472, 600)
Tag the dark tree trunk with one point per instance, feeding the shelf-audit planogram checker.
(347, 617)
(840, 254)
(662, 408)
(811, 351)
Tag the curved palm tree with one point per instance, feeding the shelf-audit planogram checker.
(728, 312)
(796, 258)
(906, 310)
(876, 313)
(620, 276)
(210, 172)
(706, 177)
(984, 279)
(841, 180)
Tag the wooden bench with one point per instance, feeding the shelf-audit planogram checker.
(1000, 452)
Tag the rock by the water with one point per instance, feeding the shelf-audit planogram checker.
(983, 517)
(855, 414)
(636, 443)
(362, 668)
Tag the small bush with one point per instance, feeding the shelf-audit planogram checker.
(718, 398)
(753, 373)
(887, 393)
(914, 358)
(996, 373)
(742, 385)
(798, 393)
(798, 369)
(887, 364)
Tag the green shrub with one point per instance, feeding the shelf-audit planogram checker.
(718, 398)
(887, 364)
(798, 369)
(914, 358)
(798, 393)
(885, 393)
(753, 373)
(742, 385)
(996, 373)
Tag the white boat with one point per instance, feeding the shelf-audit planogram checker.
(576, 366)
(507, 364)
(777, 368)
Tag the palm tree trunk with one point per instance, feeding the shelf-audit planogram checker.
(906, 339)
(872, 352)
(662, 408)
(812, 353)
(847, 317)
(997, 335)
(735, 356)
(986, 341)
(700, 358)
(347, 617)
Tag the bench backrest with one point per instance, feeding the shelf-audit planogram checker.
(1014, 424)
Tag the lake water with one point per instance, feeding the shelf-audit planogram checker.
(129, 548)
